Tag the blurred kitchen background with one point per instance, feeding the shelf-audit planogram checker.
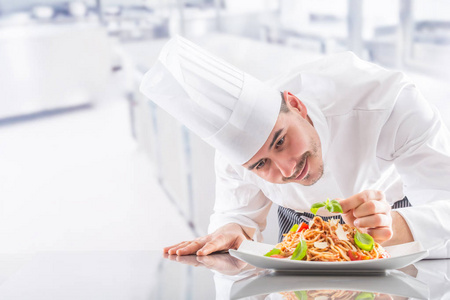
(87, 163)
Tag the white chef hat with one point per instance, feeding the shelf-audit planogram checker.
(229, 109)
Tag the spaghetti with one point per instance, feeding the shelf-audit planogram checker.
(328, 241)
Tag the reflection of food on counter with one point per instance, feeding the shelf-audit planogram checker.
(333, 294)
(327, 241)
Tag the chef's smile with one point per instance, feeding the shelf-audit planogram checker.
(301, 170)
(304, 172)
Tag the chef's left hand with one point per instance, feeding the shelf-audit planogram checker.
(370, 212)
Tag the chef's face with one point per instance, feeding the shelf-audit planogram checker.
(293, 152)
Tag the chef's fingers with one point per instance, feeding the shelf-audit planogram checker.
(219, 242)
(176, 246)
(181, 246)
(166, 249)
(356, 200)
(348, 217)
(372, 207)
(190, 248)
(374, 221)
(381, 234)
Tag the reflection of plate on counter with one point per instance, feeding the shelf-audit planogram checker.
(392, 283)
(401, 256)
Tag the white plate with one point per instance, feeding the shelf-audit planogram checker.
(401, 256)
(393, 283)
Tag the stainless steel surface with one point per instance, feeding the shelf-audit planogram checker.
(151, 275)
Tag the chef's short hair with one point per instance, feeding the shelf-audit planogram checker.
(283, 108)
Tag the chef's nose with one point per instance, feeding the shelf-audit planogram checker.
(286, 166)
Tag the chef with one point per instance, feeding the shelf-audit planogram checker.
(338, 128)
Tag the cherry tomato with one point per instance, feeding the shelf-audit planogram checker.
(302, 227)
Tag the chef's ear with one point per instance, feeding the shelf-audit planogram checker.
(294, 104)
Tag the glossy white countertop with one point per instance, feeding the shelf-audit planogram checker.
(150, 275)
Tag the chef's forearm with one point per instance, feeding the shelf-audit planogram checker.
(401, 232)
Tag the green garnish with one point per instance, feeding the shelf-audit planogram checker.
(301, 295)
(273, 252)
(315, 207)
(363, 241)
(365, 296)
(300, 251)
(331, 205)
(334, 206)
(294, 228)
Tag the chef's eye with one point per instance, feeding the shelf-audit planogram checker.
(280, 142)
(260, 164)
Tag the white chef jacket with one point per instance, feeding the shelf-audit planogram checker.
(377, 132)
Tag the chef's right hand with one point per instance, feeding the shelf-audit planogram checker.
(227, 237)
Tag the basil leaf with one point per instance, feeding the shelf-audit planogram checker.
(315, 207)
(272, 252)
(365, 296)
(363, 241)
(301, 295)
(335, 206)
(300, 251)
(331, 205)
(294, 228)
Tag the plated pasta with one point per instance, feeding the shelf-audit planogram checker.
(327, 241)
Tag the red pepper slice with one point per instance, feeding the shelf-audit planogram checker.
(302, 227)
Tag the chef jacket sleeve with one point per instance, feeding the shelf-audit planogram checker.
(238, 200)
(418, 142)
